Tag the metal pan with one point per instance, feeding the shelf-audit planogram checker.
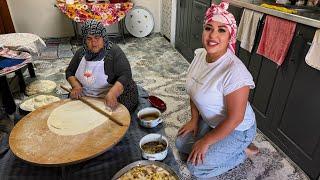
(144, 162)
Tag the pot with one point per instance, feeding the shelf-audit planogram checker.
(154, 138)
(149, 117)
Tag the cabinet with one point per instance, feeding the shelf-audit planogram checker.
(190, 16)
(295, 123)
(286, 99)
(6, 25)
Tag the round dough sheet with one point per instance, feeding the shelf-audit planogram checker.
(76, 117)
(32, 140)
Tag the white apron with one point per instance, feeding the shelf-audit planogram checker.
(92, 77)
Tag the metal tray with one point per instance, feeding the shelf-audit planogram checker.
(144, 162)
(26, 111)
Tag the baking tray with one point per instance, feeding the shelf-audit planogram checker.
(144, 162)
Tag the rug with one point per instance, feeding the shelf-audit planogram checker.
(161, 70)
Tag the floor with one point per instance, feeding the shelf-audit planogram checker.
(161, 70)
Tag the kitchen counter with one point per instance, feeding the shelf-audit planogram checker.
(310, 19)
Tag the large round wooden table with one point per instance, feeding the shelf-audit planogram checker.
(32, 141)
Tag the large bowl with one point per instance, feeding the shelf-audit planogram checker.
(155, 156)
(144, 162)
(147, 122)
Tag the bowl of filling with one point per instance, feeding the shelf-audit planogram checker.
(149, 117)
(154, 147)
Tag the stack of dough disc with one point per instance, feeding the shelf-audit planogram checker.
(40, 86)
(38, 101)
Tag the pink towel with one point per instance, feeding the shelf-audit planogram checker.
(276, 39)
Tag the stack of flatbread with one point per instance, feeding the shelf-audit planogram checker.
(38, 101)
(40, 86)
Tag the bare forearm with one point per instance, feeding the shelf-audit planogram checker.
(236, 107)
(117, 89)
(194, 111)
(74, 82)
(222, 130)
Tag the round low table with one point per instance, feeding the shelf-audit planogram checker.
(32, 141)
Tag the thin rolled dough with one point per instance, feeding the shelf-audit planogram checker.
(76, 117)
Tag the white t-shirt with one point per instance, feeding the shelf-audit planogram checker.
(208, 83)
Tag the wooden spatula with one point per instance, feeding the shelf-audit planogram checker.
(95, 108)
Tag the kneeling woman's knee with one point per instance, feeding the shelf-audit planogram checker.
(204, 171)
(179, 143)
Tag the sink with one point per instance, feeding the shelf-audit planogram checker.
(310, 13)
(303, 10)
(306, 11)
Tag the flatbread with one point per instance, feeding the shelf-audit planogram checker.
(76, 117)
(40, 86)
(38, 101)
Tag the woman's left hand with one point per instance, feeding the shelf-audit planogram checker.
(198, 152)
(111, 100)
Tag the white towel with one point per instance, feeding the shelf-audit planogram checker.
(313, 56)
(247, 28)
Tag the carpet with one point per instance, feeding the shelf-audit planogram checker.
(161, 70)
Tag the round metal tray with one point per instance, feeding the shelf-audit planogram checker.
(144, 162)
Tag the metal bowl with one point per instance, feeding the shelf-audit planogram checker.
(144, 162)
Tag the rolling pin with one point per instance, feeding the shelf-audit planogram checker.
(95, 108)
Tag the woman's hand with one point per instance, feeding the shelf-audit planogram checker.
(199, 150)
(111, 100)
(76, 92)
(190, 127)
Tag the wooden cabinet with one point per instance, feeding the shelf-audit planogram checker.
(183, 28)
(295, 123)
(190, 16)
(6, 25)
(286, 99)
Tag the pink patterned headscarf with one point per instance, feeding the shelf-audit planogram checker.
(219, 13)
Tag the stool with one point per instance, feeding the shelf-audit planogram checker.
(7, 96)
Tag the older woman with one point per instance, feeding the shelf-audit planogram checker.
(222, 125)
(101, 69)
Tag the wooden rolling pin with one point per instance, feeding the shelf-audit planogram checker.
(95, 108)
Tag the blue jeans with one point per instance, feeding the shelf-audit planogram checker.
(221, 156)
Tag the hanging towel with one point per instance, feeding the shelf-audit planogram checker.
(313, 57)
(248, 28)
(276, 38)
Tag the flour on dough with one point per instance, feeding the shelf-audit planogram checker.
(76, 117)
(40, 86)
(38, 101)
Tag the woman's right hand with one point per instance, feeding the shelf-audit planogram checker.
(76, 92)
(190, 127)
